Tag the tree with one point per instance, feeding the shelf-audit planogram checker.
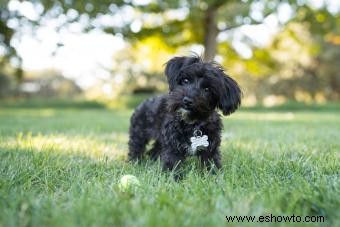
(6, 34)
(193, 21)
(184, 22)
(201, 21)
(300, 63)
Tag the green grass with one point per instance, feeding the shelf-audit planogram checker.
(61, 167)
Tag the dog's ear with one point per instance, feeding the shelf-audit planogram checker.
(230, 98)
(174, 66)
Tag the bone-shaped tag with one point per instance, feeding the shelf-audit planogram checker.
(199, 141)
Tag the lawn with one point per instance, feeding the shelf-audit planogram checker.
(61, 167)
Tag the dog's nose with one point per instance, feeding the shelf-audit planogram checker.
(187, 101)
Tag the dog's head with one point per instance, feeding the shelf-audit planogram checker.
(198, 88)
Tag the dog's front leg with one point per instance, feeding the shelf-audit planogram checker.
(212, 160)
(211, 157)
(171, 162)
(172, 153)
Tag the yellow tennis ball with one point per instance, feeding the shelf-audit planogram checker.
(128, 182)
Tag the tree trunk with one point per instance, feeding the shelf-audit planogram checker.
(210, 33)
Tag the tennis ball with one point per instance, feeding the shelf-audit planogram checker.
(128, 182)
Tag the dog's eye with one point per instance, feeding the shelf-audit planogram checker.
(206, 89)
(185, 81)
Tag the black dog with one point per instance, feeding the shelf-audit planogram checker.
(185, 122)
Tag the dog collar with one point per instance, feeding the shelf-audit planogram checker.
(198, 141)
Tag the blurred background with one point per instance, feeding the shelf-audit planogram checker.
(113, 52)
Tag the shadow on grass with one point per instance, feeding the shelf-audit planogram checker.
(130, 102)
(51, 103)
(295, 106)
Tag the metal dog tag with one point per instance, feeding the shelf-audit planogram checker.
(198, 141)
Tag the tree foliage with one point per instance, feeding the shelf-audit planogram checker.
(299, 63)
(300, 58)
(178, 22)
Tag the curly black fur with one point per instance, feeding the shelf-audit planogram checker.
(196, 90)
